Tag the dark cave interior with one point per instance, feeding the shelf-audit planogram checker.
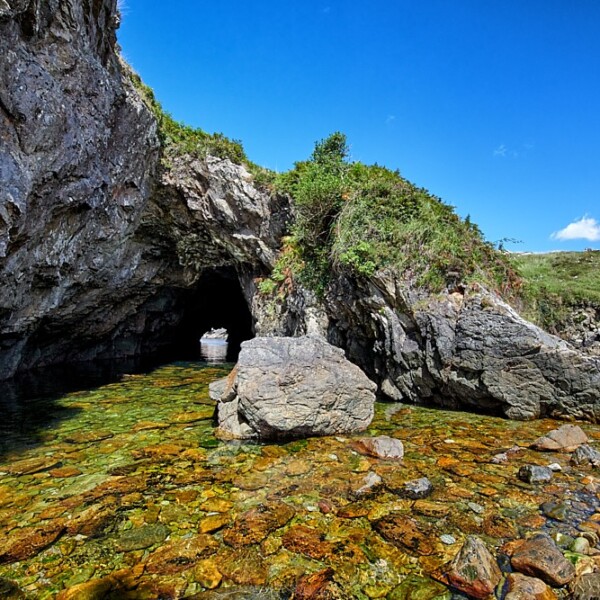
(217, 301)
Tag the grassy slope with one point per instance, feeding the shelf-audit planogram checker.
(556, 282)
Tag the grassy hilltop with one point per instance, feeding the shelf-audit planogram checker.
(556, 282)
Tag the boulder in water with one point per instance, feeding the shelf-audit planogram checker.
(293, 387)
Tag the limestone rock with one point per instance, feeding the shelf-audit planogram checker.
(535, 474)
(382, 446)
(564, 439)
(293, 387)
(473, 570)
(540, 557)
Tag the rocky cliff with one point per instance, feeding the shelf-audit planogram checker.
(105, 251)
(100, 247)
(459, 348)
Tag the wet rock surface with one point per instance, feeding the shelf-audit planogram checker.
(474, 570)
(273, 517)
(540, 557)
(566, 438)
(294, 387)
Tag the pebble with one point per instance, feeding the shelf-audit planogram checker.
(447, 539)
(476, 508)
(555, 467)
(534, 474)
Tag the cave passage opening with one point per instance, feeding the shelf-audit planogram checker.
(216, 302)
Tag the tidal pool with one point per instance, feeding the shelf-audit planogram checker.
(127, 493)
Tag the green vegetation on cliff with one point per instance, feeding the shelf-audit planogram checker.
(178, 139)
(556, 282)
(358, 218)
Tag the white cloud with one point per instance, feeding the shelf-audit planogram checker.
(587, 228)
(390, 119)
(500, 150)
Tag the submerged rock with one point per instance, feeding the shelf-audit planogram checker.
(417, 489)
(382, 446)
(540, 557)
(564, 439)
(521, 587)
(473, 570)
(535, 474)
(256, 524)
(293, 387)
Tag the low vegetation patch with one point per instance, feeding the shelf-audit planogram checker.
(556, 282)
(361, 218)
(178, 139)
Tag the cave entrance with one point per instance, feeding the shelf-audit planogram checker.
(216, 303)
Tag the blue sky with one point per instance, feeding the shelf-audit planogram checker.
(492, 105)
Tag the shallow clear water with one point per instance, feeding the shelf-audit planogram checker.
(123, 490)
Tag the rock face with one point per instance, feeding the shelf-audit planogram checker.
(293, 387)
(465, 348)
(101, 247)
(105, 250)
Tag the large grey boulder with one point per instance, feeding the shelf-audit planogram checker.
(293, 387)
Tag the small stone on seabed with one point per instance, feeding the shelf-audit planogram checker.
(382, 446)
(540, 557)
(447, 539)
(473, 570)
(418, 488)
(534, 474)
(566, 438)
(555, 467)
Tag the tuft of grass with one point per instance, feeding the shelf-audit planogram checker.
(556, 282)
(362, 218)
(178, 139)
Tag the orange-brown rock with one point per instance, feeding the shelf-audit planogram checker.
(404, 532)
(308, 541)
(64, 472)
(30, 466)
(521, 587)
(473, 570)
(255, 525)
(26, 542)
(180, 555)
(540, 557)
(315, 586)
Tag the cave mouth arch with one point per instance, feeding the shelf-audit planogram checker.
(216, 301)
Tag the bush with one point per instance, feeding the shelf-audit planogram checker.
(359, 218)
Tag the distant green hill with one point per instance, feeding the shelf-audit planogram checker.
(557, 281)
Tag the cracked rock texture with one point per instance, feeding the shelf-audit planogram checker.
(98, 244)
(103, 248)
(293, 387)
(461, 349)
